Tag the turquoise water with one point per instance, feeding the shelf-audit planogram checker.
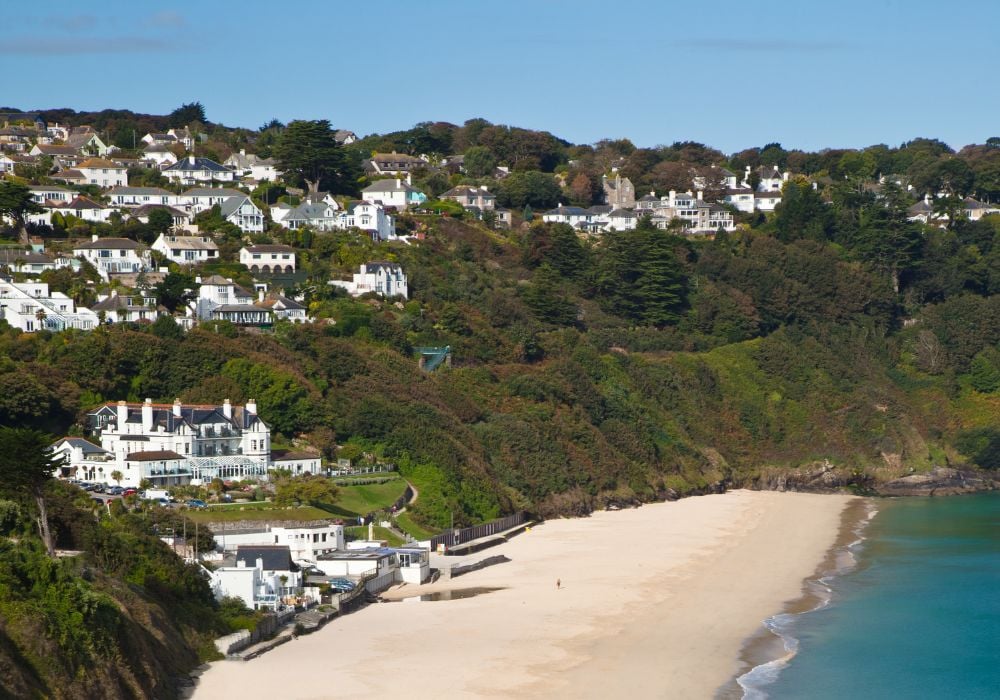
(918, 616)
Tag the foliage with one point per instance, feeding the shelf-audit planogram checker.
(308, 489)
(309, 151)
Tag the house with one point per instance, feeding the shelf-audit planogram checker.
(264, 578)
(27, 262)
(268, 258)
(923, 211)
(162, 139)
(370, 218)
(393, 193)
(220, 299)
(172, 137)
(172, 444)
(139, 196)
(71, 176)
(695, 214)
(320, 215)
(243, 213)
(52, 150)
(285, 309)
(86, 141)
(385, 279)
(766, 201)
(771, 179)
(394, 163)
(305, 542)
(17, 139)
(126, 308)
(79, 458)
(159, 154)
(103, 173)
(344, 137)
(30, 307)
(376, 565)
(113, 255)
(619, 192)
(199, 199)
(620, 220)
(296, 463)
(974, 210)
(249, 165)
(568, 215)
(469, 197)
(181, 219)
(192, 170)
(52, 194)
(743, 198)
(82, 208)
(186, 250)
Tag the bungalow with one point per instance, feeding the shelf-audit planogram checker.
(85, 141)
(393, 193)
(285, 309)
(306, 541)
(192, 170)
(296, 463)
(26, 262)
(186, 250)
(30, 307)
(83, 208)
(71, 176)
(974, 210)
(138, 196)
(242, 212)
(395, 163)
(102, 172)
(568, 215)
(766, 201)
(181, 219)
(52, 150)
(385, 279)
(268, 258)
(52, 194)
(264, 578)
(113, 255)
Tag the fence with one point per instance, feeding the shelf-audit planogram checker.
(467, 534)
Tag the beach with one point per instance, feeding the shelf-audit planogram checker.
(656, 601)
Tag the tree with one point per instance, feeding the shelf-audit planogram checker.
(175, 290)
(544, 295)
(311, 489)
(166, 327)
(26, 466)
(640, 277)
(160, 220)
(984, 372)
(309, 151)
(479, 162)
(16, 202)
(117, 476)
(539, 190)
(187, 113)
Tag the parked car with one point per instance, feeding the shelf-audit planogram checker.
(162, 502)
(195, 503)
(98, 501)
(114, 491)
(98, 488)
(344, 585)
(129, 492)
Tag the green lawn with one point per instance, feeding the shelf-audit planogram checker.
(405, 523)
(360, 500)
(380, 533)
(231, 513)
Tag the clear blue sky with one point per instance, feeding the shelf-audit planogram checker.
(730, 74)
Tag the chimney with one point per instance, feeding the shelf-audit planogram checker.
(700, 195)
(399, 183)
(147, 416)
(191, 158)
(252, 407)
(260, 295)
(93, 237)
(122, 416)
(227, 409)
(260, 563)
(177, 407)
(927, 199)
(243, 151)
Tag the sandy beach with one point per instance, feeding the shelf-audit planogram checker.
(656, 601)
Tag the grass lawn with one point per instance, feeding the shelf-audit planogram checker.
(361, 500)
(231, 513)
(380, 533)
(405, 523)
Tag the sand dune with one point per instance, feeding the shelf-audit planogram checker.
(654, 602)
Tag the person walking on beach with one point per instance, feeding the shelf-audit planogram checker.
(558, 584)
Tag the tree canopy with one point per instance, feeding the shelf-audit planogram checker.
(307, 150)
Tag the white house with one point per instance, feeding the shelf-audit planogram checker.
(393, 193)
(568, 215)
(102, 172)
(382, 278)
(159, 154)
(30, 307)
(80, 458)
(193, 170)
(250, 165)
(198, 199)
(172, 444)
(126, 308)
(83, 208)
(287, 309)
(242, 212)
(767, 201)
(187, 250)
(771, 179)
(127, 197)
(113, 255)
(43, 194)
(472, 197)
(264, 578)
(743, 198)
(181, 219)
(27, 262)
(268, 258)
(345, 137)
(221, 299)
(305, 542)
(395, 163)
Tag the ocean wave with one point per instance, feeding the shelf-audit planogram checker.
(820, 589)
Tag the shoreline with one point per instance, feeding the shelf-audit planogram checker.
(661, 597)
(768, 651)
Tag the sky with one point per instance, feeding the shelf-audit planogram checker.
(810, 75)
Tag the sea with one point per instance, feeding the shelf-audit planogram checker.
(908, 608)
